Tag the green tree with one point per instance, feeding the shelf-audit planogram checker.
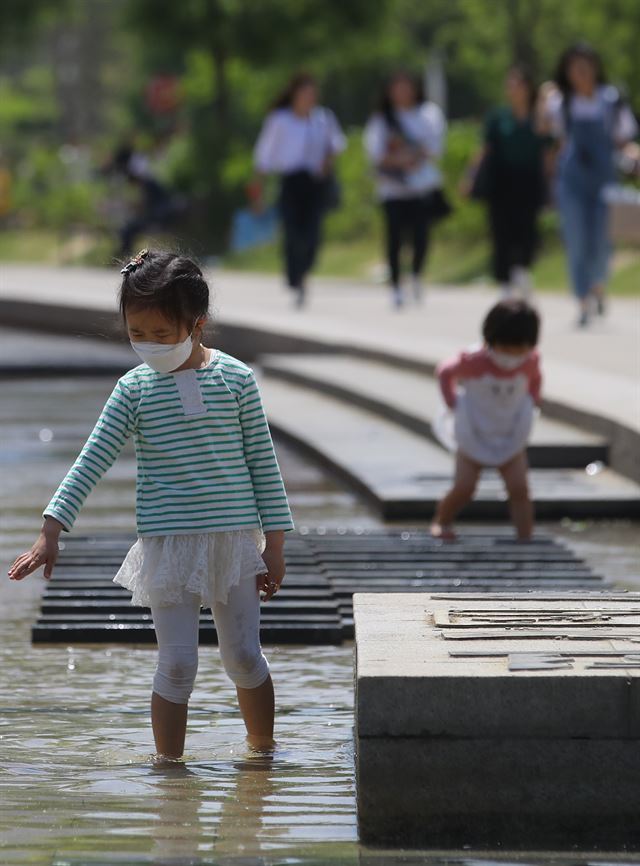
(480, 38)
(234, 48)
(18, 21)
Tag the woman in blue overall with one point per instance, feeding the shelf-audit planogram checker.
(592, 122)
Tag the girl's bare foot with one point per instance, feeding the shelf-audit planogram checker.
(524, 539)
(444, 533)
(263, 745)
(160, 761)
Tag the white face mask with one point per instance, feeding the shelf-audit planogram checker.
(164, 357)
(507, 362)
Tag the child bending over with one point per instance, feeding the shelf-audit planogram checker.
(493, 392)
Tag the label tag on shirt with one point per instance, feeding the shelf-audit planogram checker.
(190, 393)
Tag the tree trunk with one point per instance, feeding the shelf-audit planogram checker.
(521, 31)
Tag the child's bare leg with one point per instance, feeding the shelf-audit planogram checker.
(464, 485)
(258, 708)
(169, 723)
(514, 474)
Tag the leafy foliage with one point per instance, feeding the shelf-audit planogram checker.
(231, 57)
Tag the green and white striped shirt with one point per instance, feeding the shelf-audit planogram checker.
(205, 458)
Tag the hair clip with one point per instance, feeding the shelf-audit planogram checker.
(135, 262)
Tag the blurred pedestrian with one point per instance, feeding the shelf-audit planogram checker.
(158, 207)
(511, 176)
(299, 141)
(592, 122)
(404, 140)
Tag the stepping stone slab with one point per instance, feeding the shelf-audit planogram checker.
(498, 721)
(324, 571)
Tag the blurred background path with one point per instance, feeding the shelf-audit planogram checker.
(596, 372)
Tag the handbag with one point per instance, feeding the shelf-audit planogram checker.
(483, 178)
(438, 205)
(330, 192)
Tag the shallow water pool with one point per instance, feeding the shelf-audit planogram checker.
(78, 784)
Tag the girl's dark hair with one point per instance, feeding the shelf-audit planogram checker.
(525, 74)
(511, 323)
(172, 284)
(385, 106)
(295, 83)
(584, 51)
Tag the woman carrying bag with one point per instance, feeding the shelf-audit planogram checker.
(404, 139)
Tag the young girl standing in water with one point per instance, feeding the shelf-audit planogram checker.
(209, 495)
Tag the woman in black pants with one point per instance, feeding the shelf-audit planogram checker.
(299, 141)
(515, 186)
(403, 140)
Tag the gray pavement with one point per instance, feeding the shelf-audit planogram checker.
(596, 371)
(591, 378)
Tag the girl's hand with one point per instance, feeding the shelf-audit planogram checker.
(273, 557)
(44, 552)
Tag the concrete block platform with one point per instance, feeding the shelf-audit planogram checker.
(498, 721)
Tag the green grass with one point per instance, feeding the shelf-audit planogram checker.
(29, 245)
(550, 271)
(362, 259)
(450, 261)
(626, 279)
(355, 259)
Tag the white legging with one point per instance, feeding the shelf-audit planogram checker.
(238, 627)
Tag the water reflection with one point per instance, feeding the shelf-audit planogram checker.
(77, 774)
(216, 806)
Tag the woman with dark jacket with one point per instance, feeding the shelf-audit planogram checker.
(299, 141)
(514, 184)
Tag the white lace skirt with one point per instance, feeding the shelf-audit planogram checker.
(165, 569)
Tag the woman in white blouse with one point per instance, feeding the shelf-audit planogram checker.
(299, 141)
(404, 140)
